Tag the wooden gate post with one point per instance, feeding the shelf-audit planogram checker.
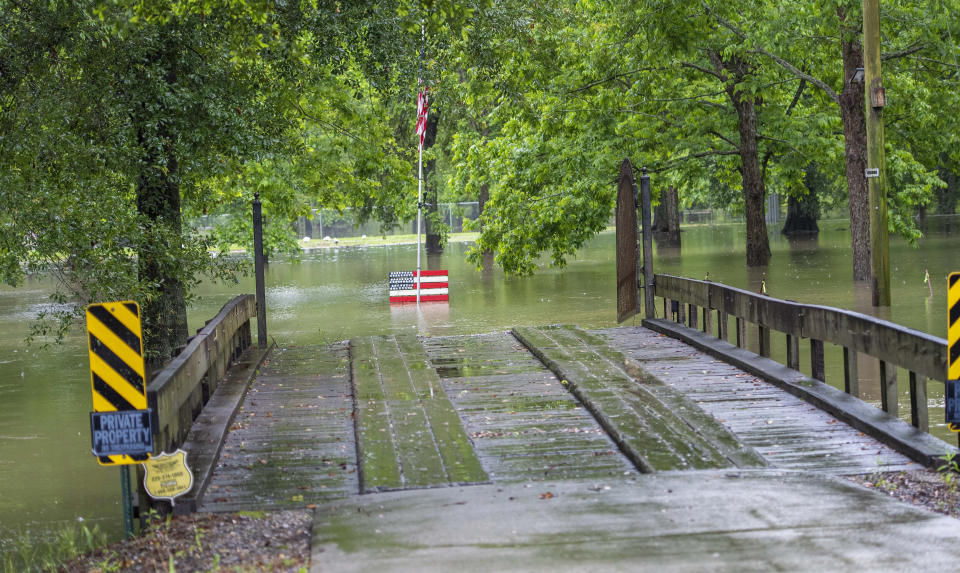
(628, 268)
(258, 270)
(645, 218)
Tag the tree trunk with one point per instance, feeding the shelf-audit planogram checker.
(803, 212)
(482, 199)
(754, 190)
(947, 196)
(158, 203)
(855, 146)
(751, 174)
(666, 222)
(434, 246)
(802, 215)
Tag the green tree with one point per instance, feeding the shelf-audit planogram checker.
(118, 116)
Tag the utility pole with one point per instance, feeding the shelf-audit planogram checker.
(875, 100)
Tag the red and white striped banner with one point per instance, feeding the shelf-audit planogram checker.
(422, 106)
(434, 286)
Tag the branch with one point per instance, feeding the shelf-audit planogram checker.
(796, 96)
(713, 73)
(332, 125)
(609, 79)
(793, 104)
(800, 74)
(937, 62)
(702, 154)
(723, 22)
(783, 63)
(717, 134)
(902, 53)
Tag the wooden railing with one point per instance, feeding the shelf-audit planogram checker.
(179, 391)
(707, 306)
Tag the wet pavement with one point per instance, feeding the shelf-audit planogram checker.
(713, 520)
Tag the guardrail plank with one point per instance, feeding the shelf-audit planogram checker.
(178, 391)
(913, 350)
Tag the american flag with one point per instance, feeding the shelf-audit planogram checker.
(421, 115)
(434, 286)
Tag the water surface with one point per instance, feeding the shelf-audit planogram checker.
(48, 476)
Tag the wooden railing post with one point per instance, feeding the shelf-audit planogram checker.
(692, 316)
(817, 366)
(764, 335)
(741, 333)
(793, 352)
(722, 325)
(851, 379)
(918, 402)
(888, 388)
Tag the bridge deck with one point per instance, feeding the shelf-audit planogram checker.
(292, 442)
(538, 404)
(787, 431)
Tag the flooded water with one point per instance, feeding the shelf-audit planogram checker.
(48, 476)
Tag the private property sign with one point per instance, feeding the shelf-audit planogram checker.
(434, 286)
(125, 433)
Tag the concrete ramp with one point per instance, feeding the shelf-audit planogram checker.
(718, 520)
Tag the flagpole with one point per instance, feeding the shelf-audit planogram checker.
(423, 47)
(419, 208)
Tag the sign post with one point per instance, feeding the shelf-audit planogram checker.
(121, 425)
(952, 397)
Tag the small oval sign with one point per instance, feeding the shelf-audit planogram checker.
(167, 476)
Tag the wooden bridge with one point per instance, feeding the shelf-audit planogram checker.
(681, 442)
(412, 420)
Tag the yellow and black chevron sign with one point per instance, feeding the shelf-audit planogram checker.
(952, 388)
(953, 326)
(117, 370)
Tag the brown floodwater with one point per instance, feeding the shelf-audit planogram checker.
(48, 477)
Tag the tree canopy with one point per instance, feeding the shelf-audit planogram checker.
(118, 119)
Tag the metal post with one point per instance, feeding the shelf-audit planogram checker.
(874, 100)
(645, 217)
(258, 265)
(127, 501)
(420, 135)
(419, 210)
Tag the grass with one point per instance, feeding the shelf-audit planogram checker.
(379, 241)
(32, 554)
(370, 241)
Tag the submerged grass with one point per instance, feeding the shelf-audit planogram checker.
(28, 553)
